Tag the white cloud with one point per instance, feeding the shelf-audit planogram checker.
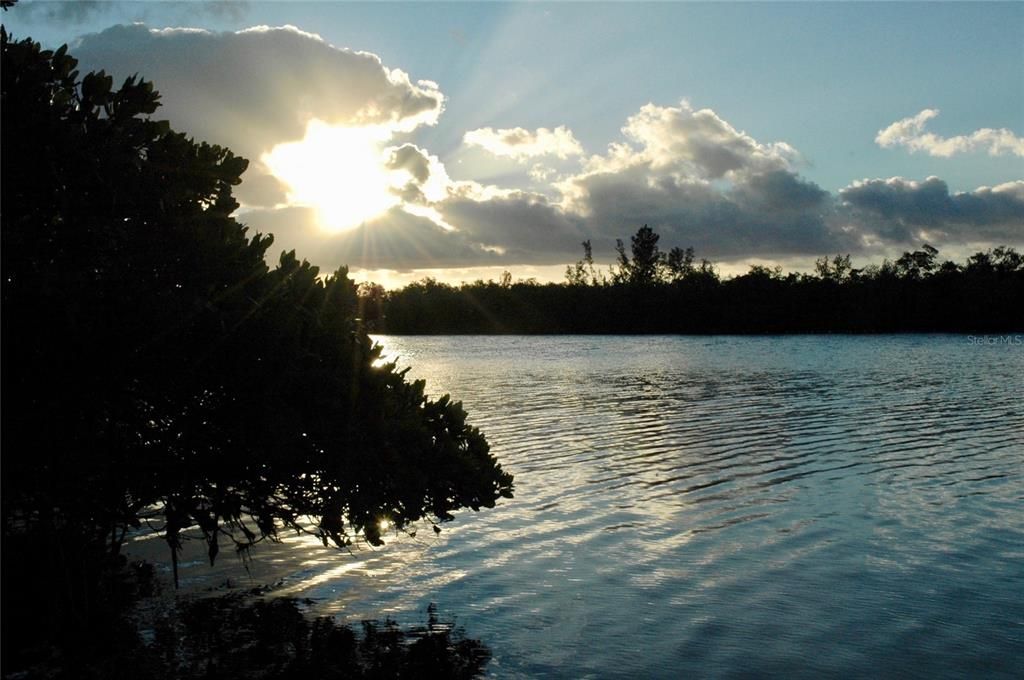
(541, 173)
(696, 143)
(910, 133)
(253, 89)
(521, 144)
(256, 89)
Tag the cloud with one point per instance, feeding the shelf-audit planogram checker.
(253, 89)
(700, 182)
(521, 144)
(541, 173)
(523, 227)
(910, 133)
(426, 179)
(413, 160)
(688, 174)
(695, 143)
(769, 214)
(907, 211)
(260, 189)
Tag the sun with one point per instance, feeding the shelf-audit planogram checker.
(339, 171)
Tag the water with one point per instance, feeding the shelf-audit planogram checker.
(718, 507)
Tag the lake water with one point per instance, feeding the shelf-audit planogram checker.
(718, 507)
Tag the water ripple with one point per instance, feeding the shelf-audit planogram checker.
(804, 506)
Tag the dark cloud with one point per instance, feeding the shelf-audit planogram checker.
(767, 214)
(412, 159)
(526, 227)
(772, 215)
(396, 240)
(259, 189)
(901, 209)
(781, 192)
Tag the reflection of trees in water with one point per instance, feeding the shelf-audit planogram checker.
(152, 634)
(251, 634)
(237, 636)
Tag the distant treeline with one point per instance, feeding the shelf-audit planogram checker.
(652, 291)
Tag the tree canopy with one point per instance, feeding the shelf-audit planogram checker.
(156, 369)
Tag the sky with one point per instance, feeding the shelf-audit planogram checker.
(460, 140)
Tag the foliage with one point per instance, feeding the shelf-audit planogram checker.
(156, 371)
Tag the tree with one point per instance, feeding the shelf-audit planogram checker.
(371, 304)
(838, 269)
(679, 264)
(918, 263)
(155, 369)
(582, 273)
(645, 266)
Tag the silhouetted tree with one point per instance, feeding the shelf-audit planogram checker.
(918, 263)
(579, 273)
(679, 264)
(644, 268)
(371, 305)
(683, 296)
(838, 269)
(155, 369)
